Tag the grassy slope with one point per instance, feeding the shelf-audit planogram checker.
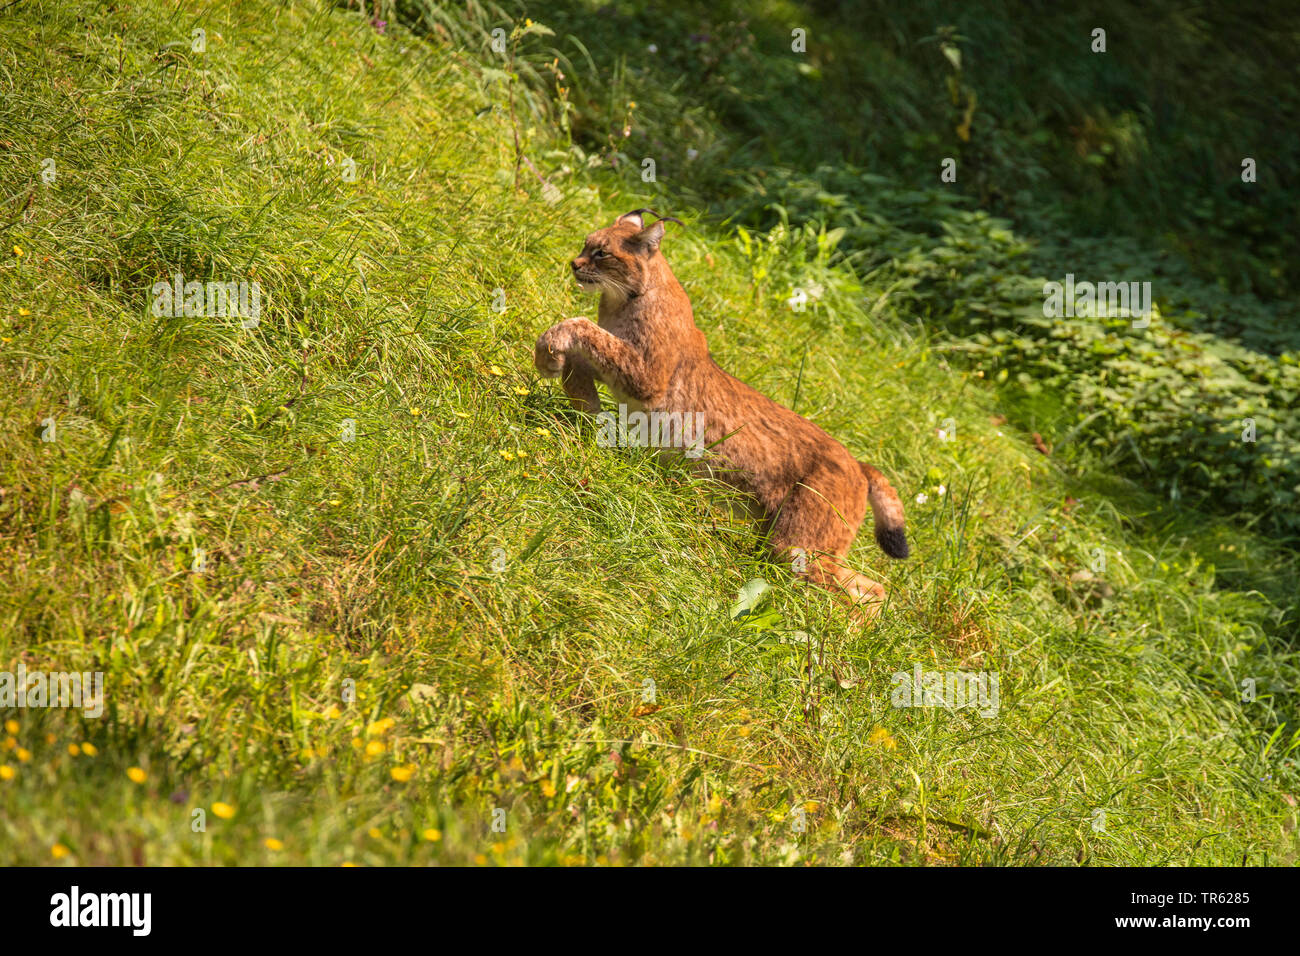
(373, 560)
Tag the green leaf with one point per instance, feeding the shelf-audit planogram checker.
(749, 598)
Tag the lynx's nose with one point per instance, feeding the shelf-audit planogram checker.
(577, 263)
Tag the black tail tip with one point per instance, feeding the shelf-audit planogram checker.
(893, 542)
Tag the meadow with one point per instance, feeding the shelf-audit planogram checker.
(364, 590)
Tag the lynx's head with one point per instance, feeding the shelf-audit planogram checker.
(623, 259)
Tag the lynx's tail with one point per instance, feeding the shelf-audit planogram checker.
(887, 512)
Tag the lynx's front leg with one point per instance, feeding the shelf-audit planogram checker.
(576, 377)
(584, 346)
(579, 383)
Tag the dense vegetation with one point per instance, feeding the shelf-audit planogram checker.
(370, 490)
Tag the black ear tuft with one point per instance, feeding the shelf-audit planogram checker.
(635, 217)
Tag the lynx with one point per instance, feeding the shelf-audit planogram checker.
(811, 493)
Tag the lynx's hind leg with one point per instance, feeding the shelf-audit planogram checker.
(814, 535)
(864, 596)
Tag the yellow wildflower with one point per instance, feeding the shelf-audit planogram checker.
(884, 738)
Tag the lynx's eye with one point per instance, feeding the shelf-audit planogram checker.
(599, 254)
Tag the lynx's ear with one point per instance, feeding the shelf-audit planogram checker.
(647, 240)
(634, 217)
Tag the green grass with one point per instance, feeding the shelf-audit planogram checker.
(374, 563)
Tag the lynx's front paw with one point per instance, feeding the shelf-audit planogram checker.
(556, 343)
